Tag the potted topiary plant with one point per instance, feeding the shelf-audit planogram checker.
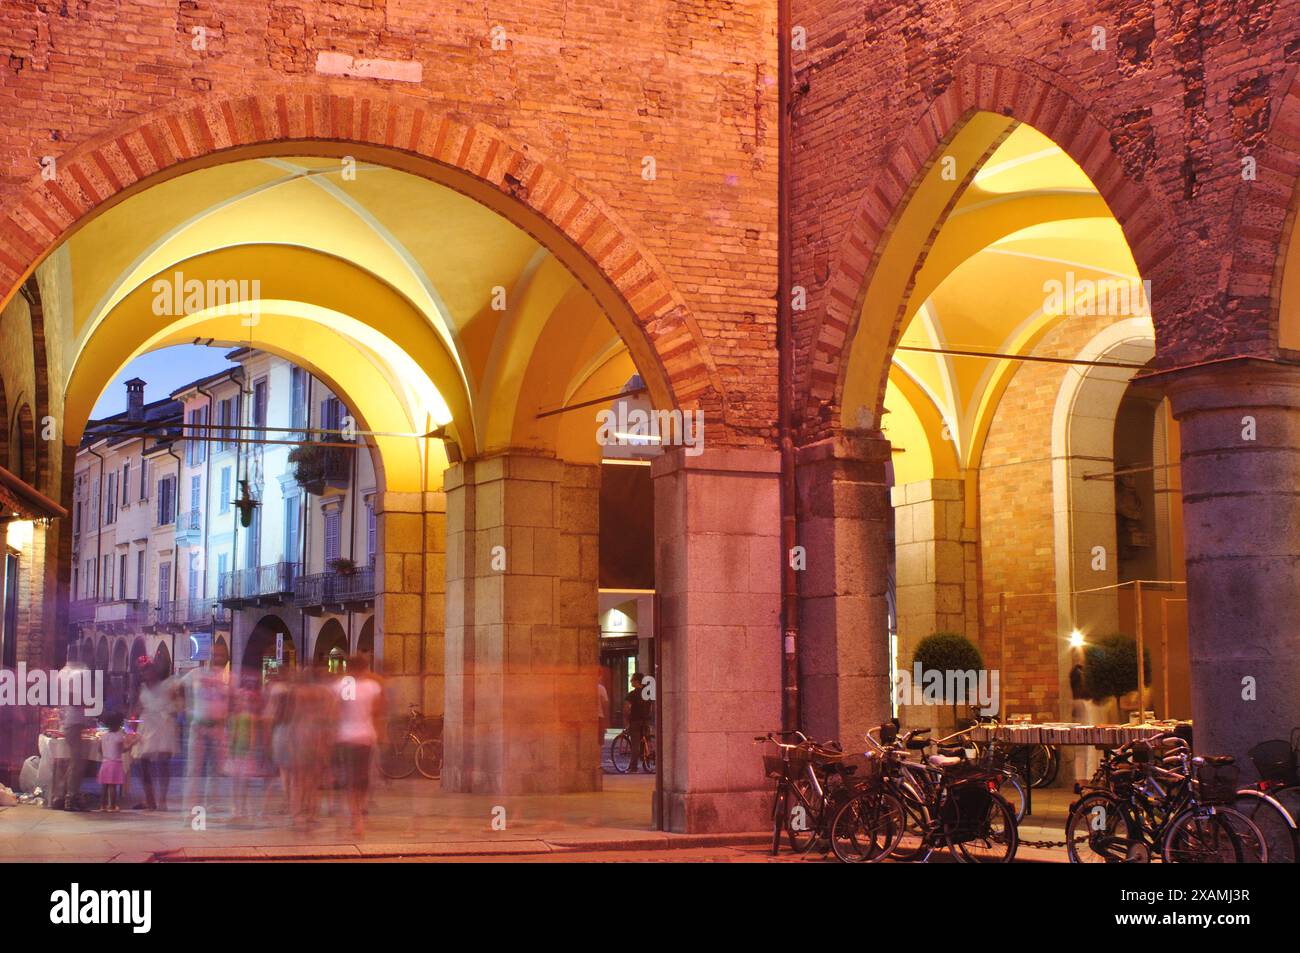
(1110, 668)
(947, 652)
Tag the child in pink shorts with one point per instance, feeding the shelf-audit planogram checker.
(112, 775)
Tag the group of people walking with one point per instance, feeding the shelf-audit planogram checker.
(282, 744)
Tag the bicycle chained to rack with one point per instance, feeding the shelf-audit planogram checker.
(1153, 797)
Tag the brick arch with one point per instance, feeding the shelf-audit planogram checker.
(31, 290)
(485, 162)
(1267, 221)
(976, 87)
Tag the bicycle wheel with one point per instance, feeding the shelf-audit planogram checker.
(1274, 823)
(1041, 772)
(913, 845)
(1011, 788)
(649, 754)
(1054, 765)
(1097, 832)
(428, 758)
(620, 753)
(778, 818)
(802, 818)
(997, 838)
(1199, 837)
(1254, 844)
(867, 827)
(397, 756)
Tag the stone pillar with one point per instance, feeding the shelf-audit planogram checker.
(409, 598)
(522, 635)
(845, 530)
(718, 574)
(934, 576)
(1240, 429)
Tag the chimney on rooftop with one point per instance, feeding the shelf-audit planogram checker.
(135, 399)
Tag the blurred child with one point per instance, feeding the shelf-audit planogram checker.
(112, 775)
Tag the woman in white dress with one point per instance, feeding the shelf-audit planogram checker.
(156, 706)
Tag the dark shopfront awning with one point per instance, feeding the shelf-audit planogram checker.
(19, 500)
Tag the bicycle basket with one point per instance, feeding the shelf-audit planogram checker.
(773, 767)
(1275, 761)
(1216, 783)
(965, 811)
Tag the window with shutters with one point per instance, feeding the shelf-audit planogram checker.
(164, 583)
(126, 483)
(144, 479)
(297, 398)
(139, 576)
(331, 537)
(291, 541)
(225, 489)
(371, 524)
(121, 575)
(259, 407)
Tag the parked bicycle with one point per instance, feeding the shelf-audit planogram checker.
(1273, 802)
(1153, 797)
(995, 757)
(414, 743)
(620, 751)
(918, 806)
(812, 781)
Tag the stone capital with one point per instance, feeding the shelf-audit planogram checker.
(1228, 384)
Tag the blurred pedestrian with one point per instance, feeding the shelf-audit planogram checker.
(156, 705)
(360, 708)
(113, 744)
(207, 696)
(311, 742)
(69, 772)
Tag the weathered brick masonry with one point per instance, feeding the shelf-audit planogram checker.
(579, 95)
(1160, 119)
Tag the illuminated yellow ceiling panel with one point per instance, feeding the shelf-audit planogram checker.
(1027, 233)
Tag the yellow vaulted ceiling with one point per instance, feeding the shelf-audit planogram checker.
(1029, 217)
(451, 306)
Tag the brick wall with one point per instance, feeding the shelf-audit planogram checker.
(1017, 531)
(591, 88)
(1161, 119)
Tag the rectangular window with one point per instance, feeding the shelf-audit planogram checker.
(196, 500)
(253, 540)
(193, 591)
(369, 529)
(94, 495)
(76, 522)
(139, 576)
(259, 407)
(88, 579)
(297, 398)
(164, 584)
(110, 500)
(121, 575)
(225, 490)
(290, 528)
(144, 479)
(107, 587)
(126, 483)
(166, 500)
(223, 567)
(331, 416)
(331, 537)
(191, 418)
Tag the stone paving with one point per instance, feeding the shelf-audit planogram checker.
(412, 817)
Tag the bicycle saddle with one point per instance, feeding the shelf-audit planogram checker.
(943, 761)
(1219, 759)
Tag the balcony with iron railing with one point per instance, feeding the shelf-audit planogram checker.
(190, 614)
(257, 585)
(82, 611)
(339, 590)
(122, 614)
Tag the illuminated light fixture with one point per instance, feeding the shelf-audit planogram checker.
(18, 533)
(632, 437)
(1076, 638)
